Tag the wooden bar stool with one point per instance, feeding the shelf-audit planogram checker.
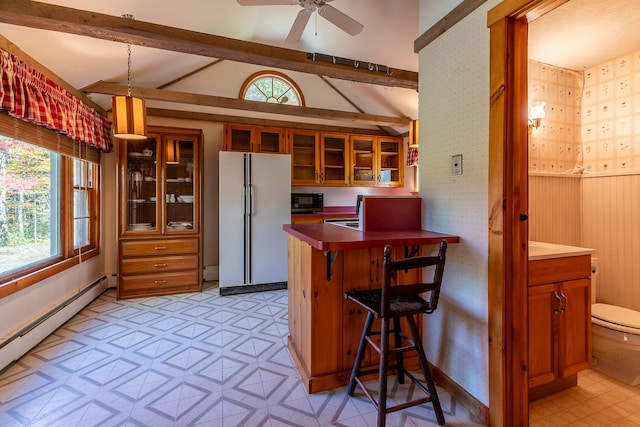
(391, 304)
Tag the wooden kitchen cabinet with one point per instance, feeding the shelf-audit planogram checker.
(390, 162)
(334, 159)
(363, 172)
(257, 139)
(305, 158)
(559, 323)
(324, 158)
(159, 182)
(318, 158)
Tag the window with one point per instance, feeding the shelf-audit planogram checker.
(84, 205)
(272, 87)
(29, 211)
(49, 204)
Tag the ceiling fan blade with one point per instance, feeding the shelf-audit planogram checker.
(340, 20)
(266, 2)
(298, 26)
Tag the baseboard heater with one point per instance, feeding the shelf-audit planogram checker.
(246, 289)
(28, 337)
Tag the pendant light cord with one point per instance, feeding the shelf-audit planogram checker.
(128, 16)
(129, 69)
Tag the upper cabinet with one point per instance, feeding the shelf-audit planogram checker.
(324, 158)
(334, 159)
(363, 160)
(257, 139)
(305, 158)
(390, 162)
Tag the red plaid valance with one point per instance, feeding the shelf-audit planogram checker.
(412, 157)
(29, 95)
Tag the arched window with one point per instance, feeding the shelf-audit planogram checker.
(271, 86)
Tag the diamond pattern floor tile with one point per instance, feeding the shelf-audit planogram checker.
(183, 360)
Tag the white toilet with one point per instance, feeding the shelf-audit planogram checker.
(615, 333)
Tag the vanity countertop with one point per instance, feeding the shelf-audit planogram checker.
(543, 250)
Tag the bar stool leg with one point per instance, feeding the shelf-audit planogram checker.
(383, 371)
(399, 355)
(426, 371)
(366, 331)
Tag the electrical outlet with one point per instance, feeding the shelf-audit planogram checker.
(456, 164)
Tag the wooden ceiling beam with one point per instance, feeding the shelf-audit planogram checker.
(106, 27)
(240, 104)
(222, 118)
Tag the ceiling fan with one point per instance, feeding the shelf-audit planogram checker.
(330, 13)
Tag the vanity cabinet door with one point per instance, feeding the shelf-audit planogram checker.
(559, 330)
(543, 346)
(576, 318)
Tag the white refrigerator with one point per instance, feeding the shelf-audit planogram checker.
(255, 201)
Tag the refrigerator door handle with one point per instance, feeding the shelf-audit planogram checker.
(252, 202)
(244, 200)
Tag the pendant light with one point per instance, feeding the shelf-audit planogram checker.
(129, 113)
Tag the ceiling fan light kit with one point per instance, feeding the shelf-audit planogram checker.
(328, 12)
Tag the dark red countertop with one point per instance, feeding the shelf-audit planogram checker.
(330, 212)
(331, 237)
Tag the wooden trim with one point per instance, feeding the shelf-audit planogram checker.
(479, 411)
(497, 356)
(527, 9)
(106, 27)
(190, 115)
(508, 194)
(450, 19)
(25, 281)
(241, 104)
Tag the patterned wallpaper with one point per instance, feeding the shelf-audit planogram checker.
(554, 147)
(611, 118)
(595, 131)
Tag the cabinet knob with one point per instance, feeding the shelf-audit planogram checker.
(160, 248)
(160, 265)
(160, 282)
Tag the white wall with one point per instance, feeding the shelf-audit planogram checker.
(454, 119)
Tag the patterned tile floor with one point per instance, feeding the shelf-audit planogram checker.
(597, 401)
(185, 360)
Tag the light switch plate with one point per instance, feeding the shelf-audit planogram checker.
(456, 164)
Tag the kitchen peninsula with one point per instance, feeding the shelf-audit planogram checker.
(325, 260)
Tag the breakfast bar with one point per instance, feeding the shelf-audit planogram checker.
(325, 260)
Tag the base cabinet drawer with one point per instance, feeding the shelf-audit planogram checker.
(132, 248)
(154, 284)
(158, 264)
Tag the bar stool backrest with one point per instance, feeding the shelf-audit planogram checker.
(433, 287)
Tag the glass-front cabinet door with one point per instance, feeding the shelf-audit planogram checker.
(362, 160)
(334, 159)
(179, 184)
(304, 157)
(390, 161)
(141, 189)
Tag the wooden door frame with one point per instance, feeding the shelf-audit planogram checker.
(508, 209)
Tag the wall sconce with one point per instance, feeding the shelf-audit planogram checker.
(536, 114)
(173, 152)
(414, 126)
(129, 113)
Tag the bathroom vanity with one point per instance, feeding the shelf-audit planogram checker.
(559, 316)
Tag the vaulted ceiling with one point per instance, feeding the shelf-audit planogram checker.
(191, 58)
(194, 56)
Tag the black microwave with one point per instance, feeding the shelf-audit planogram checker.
(307, 202)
